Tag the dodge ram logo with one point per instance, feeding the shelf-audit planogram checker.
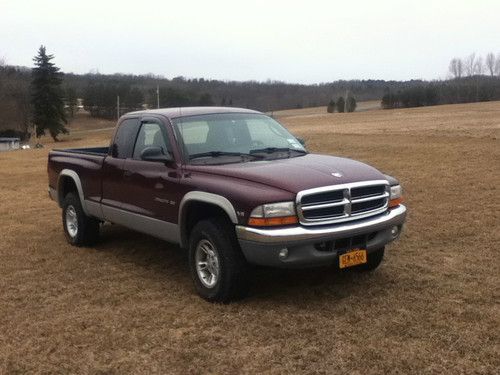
(337, 174)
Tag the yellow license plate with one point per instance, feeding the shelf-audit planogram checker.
(352, 258)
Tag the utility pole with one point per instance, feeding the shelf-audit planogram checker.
(117, 107)
(157, 96)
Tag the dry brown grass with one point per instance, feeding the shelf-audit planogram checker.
(128, 306)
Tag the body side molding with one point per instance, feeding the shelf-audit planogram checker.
(144, 224)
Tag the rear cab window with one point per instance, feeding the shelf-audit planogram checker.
(124, 140)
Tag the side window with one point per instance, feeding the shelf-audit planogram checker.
(124, 138)
(150, 135)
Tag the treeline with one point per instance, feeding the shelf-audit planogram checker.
(458, 90)
(100, 91)
(472, 79)
(106, 99)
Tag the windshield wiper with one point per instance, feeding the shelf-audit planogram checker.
(215, 154)
(272, 150)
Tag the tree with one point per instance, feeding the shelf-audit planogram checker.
(133, 98)
(47, 98)
(490, 63)
(205, 100)
(351, 103)
(479, 66)
(470, 64)
(331, 106)
(456, 67)
(497, 65)
(340, 104)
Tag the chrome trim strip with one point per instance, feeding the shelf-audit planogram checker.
(395, 216)
(357, 215)
(148, 225)
(347, 195)
(372, 198)
(325, 205)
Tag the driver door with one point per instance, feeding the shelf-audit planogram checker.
(152, 186)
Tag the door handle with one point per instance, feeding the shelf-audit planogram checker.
(127, 173)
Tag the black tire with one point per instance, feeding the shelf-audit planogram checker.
(232, 280)
(374, 259)
(87, 228)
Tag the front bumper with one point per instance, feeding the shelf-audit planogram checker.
(262, 246)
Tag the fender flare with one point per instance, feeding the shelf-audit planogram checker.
(201, 196)
(69, 173)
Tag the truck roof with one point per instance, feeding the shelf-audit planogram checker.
(191, 111)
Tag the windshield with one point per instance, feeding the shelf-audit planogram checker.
(232, 135)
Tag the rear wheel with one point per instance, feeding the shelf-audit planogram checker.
(79, 228)
(374, 259)
(218, 268)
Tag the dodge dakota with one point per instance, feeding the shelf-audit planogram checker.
(234, 188)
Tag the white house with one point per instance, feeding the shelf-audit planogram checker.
(7, 144)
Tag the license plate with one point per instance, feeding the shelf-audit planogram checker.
(352, 258)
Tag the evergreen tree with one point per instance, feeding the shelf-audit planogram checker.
(47, 98)
(351, 103)
(340, 104)
(331, 106)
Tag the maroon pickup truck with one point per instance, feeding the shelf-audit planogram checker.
(232, 186)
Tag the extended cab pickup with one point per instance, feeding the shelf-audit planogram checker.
(232, 186)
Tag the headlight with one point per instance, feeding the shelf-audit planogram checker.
(396, 197)
(272, 214)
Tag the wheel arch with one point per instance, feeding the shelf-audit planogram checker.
(212, 203)
(69, 176)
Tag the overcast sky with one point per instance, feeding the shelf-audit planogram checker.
(305, 41)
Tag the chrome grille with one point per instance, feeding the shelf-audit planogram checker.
(338, 203)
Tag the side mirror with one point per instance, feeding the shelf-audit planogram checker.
(301, 141)
(155, 154)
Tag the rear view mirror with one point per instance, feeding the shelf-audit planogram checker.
(155, 154)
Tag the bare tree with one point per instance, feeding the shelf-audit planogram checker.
(479, 66)
(470, 64)
(456, 67)
(490, 63)
(497, 65)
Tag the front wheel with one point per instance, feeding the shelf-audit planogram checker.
(218, 268)
(79, 228)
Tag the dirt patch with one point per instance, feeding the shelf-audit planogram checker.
(127, 305)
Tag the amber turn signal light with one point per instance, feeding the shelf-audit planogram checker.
(395, 202)
(272, 221)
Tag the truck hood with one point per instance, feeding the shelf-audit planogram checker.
(298, 173)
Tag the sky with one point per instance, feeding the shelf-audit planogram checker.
(293, 41)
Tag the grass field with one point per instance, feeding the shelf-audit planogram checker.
(127, 305)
